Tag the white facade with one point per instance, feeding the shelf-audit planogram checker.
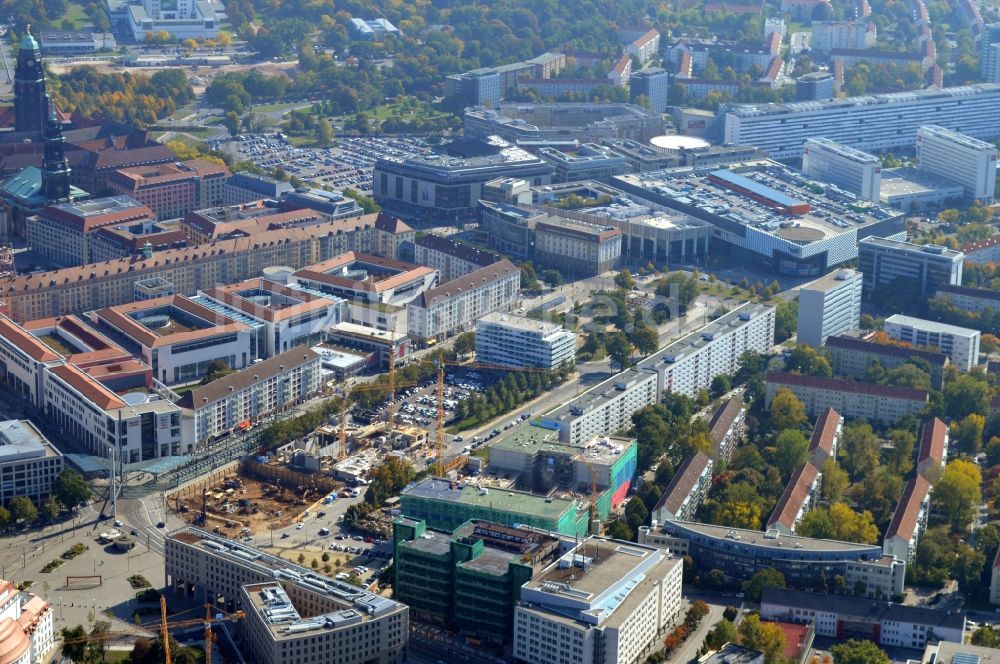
(960, 159)
(605, 408)
(830, 35)
(26, 629)
(456, 305)
(873, 123)
(881, 403)
(182, 19)
(852, 170)
(29, 463)
(516, 341)
(960, 344)
(575, 614)
(829, 305)
(262, 389)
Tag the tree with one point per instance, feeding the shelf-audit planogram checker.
(786, 318)
(324, 133)
(767, 577)
(619, 349)
(465, 343)
(765, 637)
(5, 517)
(724, 632)
(860, 449)
(956, 494)
(966, 394)
(787, 412)
(721, 384)
(967, 570)
(791, 450)
(855, 651)
(50, 508)
(71, 489)
(968, 433)
(96, 649)
(22, 509)
(645, 339)
(900, 456)
(835, 481)
(74, 651)
(986, 637)
(624, 280)
(552, 277)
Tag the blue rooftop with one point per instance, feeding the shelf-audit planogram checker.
(756, 187)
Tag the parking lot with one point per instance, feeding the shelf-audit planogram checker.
(350, 164)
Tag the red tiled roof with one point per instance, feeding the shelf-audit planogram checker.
(683, 483)
(854, 387)
(25, 341)
(932, 439)
(101, 396)
(795, 494)
(904, 519)
(825, 431)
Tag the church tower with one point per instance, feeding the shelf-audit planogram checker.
(30, 107)
(55, 168)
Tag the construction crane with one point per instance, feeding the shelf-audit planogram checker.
(440, 446)
(392, 392)
(593, 516)
(342, 452)
(164, 630)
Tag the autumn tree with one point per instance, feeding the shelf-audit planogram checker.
(786, 411)
(957, 493)
(763, 636)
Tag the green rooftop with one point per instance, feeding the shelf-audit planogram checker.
(504, 500)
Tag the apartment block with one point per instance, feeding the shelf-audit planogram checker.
(577, 248)
(852, 170)
(806, 562)
(607, 407)
(214, 224)
(851, 357)
(908, 521)
(247, 187)
(172, 190)
(366, 278)
(883, 403)
(825, 439)
(932, 455)
(451, 259)
(239, 400)
(289, 609)
(799, 495)
(726, 428)
(960, 344)
(29, 463)
(563, 614)
(456, 305)
(61, 232)
(921, 267)
(829, 305)
(960, 159)
(972, 300)
(26, 625)
(686, 491)
(517, 341)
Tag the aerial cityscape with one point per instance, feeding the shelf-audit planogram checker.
(499, 331)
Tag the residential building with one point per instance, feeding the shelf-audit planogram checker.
(921, 268)
(456, 305)
(468, 579)
(989, 53)
(589, 161)
(288, 608)
(539, 462)
(828, 306)
(645, 46)
(392, 237)
(376, 29)
(726, 428)
(331, 205)
(445, 505)
(883, 403)
(873, 123)
(467, 85)
(958, 158)
(852, 170)
(851, 357)
(686, 491)
(172, 190)
(653, 84)
(144, 237)
(61, 43)
(74, 290)
(960, 344)
(29, 463)
(450, 258)
(239, 400)
(805, 562)
(932, 455)
(684, 366)
(799, 495)
(807, 233)
(447, 189)
(226, 222)
(510, 229)
(566, 612)
(482, 89)
(828, 36)
(517, 341)
(984, 251)
(27, 634)
(950, 652)
(247, 187)
(180, 339)
(848, 58)
(62, 232)
(383, 344)
(825, 439)
(888, 624)
(971, 300)
(372, 279)
(585, 122)
(576, 248)
(817, 86)
(184, 19)
(290, 316)
(909, 520)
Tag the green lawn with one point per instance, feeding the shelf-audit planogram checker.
(78, 17)
(385, 111)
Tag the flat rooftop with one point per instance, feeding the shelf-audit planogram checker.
(592, 568)
(167, 320)
(533, 438)
(518, 502)
(957, 138)
(907, 181)
(695, 341)
(831, 280)
(20, 440)
(770, 539)
(267, 300)
(764, 195)
(363, 272)
(930, 325)
(100, 206)
(922, 249)
(847, 151)
(520, 323)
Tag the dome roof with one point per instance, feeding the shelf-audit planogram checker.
(28, 41)
(13, 641)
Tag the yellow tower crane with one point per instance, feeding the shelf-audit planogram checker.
(439, 442)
